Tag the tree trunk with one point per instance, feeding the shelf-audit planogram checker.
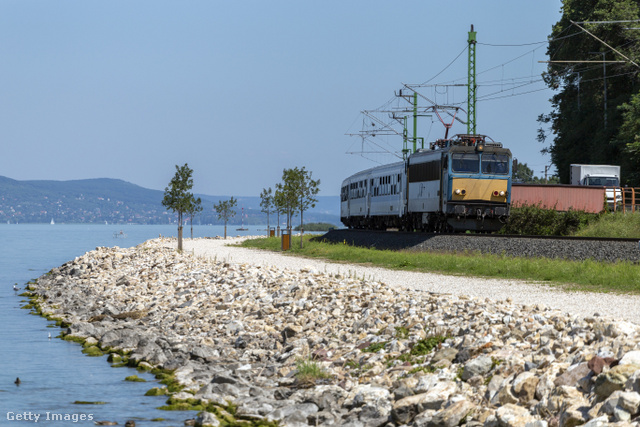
(180, 238)
(225, 230)
(301, 229)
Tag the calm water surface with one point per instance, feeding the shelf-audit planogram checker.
(54, 373)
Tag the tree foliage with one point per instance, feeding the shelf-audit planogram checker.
(177, 196)
(225, 211)
(586, 129)
(286, 195)
(524, 174)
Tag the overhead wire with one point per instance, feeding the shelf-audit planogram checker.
(450, 63)
(509, 84)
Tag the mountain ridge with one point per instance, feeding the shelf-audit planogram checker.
(96, 200)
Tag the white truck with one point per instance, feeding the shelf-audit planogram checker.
(600, 176)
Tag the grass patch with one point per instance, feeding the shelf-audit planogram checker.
(619, 224)
(135, 378)
(402, 332)
(374, 347)
(309, 371)
(427, 369)
(622, 277)
(427, 345)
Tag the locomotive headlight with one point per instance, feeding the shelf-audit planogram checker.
(503, 193)
(460, 191)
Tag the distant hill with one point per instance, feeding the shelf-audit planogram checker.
(117, 201)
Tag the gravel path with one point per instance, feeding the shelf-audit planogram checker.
(620, 307)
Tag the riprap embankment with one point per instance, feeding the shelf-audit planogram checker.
(305, 347)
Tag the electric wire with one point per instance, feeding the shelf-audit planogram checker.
(511, 86)
(445, 68)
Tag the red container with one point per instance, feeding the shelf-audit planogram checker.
(559, 197)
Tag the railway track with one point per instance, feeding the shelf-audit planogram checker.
(572, 248)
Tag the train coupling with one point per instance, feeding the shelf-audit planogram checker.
(480, 213)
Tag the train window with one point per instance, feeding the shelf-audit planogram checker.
(465, 162)
(493, 163)
(429, 171)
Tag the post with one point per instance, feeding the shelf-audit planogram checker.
(415, 120)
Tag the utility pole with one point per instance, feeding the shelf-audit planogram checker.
(546, 168)
(472, 88)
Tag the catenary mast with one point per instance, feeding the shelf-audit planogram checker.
(472, 87)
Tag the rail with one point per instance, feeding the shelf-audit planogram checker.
(630, 200)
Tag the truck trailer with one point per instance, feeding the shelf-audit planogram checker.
(599, 176)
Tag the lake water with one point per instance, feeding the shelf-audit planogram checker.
(54, 373)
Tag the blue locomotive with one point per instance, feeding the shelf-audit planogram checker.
(457, 184)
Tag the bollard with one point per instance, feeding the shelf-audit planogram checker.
(286, 240)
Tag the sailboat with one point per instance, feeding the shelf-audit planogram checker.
(242, 222)
(52, 222)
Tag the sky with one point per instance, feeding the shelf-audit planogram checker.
(242, 90)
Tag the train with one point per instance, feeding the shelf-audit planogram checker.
(455, 185)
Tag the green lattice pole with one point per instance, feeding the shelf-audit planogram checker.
(472, 88)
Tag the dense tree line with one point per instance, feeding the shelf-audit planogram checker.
(595, 117)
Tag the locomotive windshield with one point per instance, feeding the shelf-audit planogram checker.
(493, 163)
(605, 181)
(465, 162)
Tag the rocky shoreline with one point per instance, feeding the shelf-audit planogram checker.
(260, 344)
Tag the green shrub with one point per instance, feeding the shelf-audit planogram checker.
(317, 226)
(536, 221)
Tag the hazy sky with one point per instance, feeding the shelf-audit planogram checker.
(240, 90)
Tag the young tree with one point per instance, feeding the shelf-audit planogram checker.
(296, 192)
(195, 206)
(177, 196)
(225, 211)
(267, 205)
(307, 191)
